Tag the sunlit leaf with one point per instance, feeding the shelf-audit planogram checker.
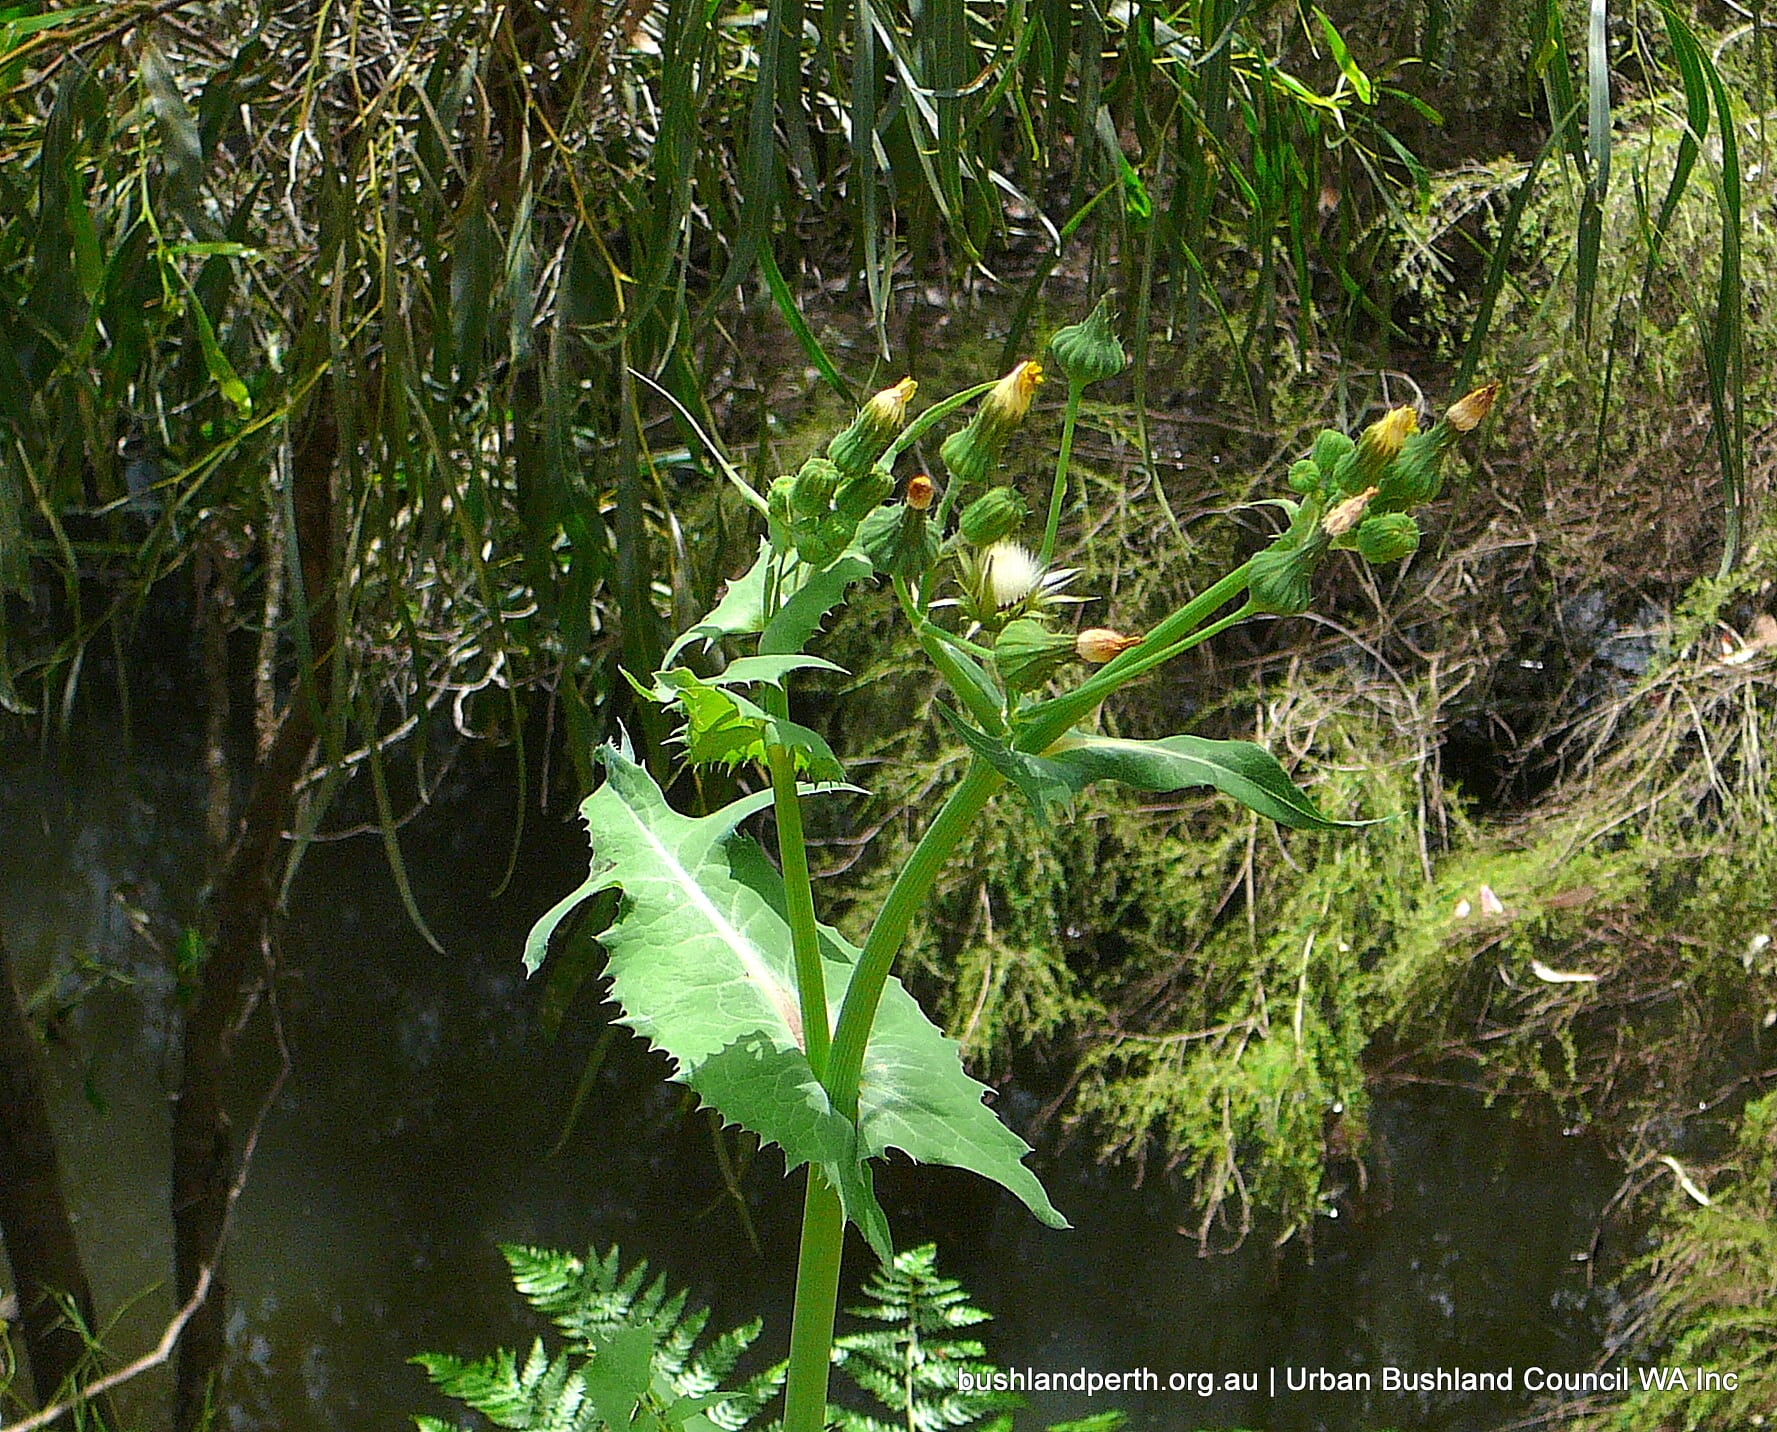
(702, 964)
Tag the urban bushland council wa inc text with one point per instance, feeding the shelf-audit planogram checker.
(1299, 1379)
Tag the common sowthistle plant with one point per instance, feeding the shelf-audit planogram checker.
(717, 957)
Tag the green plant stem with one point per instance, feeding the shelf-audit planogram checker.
(932, 641)
(1048, 720)
(792, 854)
(817, 1297)
(858, 1011)
(1058, 492)
(823, 1217)
(1159, 656)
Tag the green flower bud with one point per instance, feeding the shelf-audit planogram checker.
(1387, 537)
(1304, 476)
(1027, 652)
(997, 513)
(1282, 577)
(970, 454)
(812, 489)
(967, 457)
(1090, 350)
(857, 496)
(1331, 451)
(820, 540)
(1380, 444)
(1415, 476)
(899, 540)
(874, 428)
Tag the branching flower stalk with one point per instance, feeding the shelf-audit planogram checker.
(720, 960)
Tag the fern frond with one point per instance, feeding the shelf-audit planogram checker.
(632, 1349)
(546, 1395)
(912, 1366)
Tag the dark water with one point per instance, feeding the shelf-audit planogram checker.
(414, 1135)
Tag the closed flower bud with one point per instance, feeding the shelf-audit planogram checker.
(1304, 476)
(1282, 578)
(1090, 350)
(1027, 652)
(820, 539)
(1099, 644)
(899, 540)
(777, 506)
(1416, 474)
(921, 491)
(872, 430)
(858, 495)
(969, 455)
(812, 489)
(997, 513)
(1331, 451)
(1387, 537)
(1466, 414)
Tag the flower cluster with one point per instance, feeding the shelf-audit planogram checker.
(1354, 494)
(1357, 496)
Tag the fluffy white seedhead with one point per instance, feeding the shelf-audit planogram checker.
(1012, 572)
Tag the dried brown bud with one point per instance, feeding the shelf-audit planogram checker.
(1099, 644)
(1466, 415)
(921, 490)
(1347, 514)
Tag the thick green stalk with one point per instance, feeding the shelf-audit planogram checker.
(792, 854)
(817, 1296)
(858, 1011)
(823, 1217)
(1058, 492)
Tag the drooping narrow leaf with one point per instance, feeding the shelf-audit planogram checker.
(1247, 772)
(1598, 95)
(791, 313)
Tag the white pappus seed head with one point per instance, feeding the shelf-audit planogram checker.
(1012, 572)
